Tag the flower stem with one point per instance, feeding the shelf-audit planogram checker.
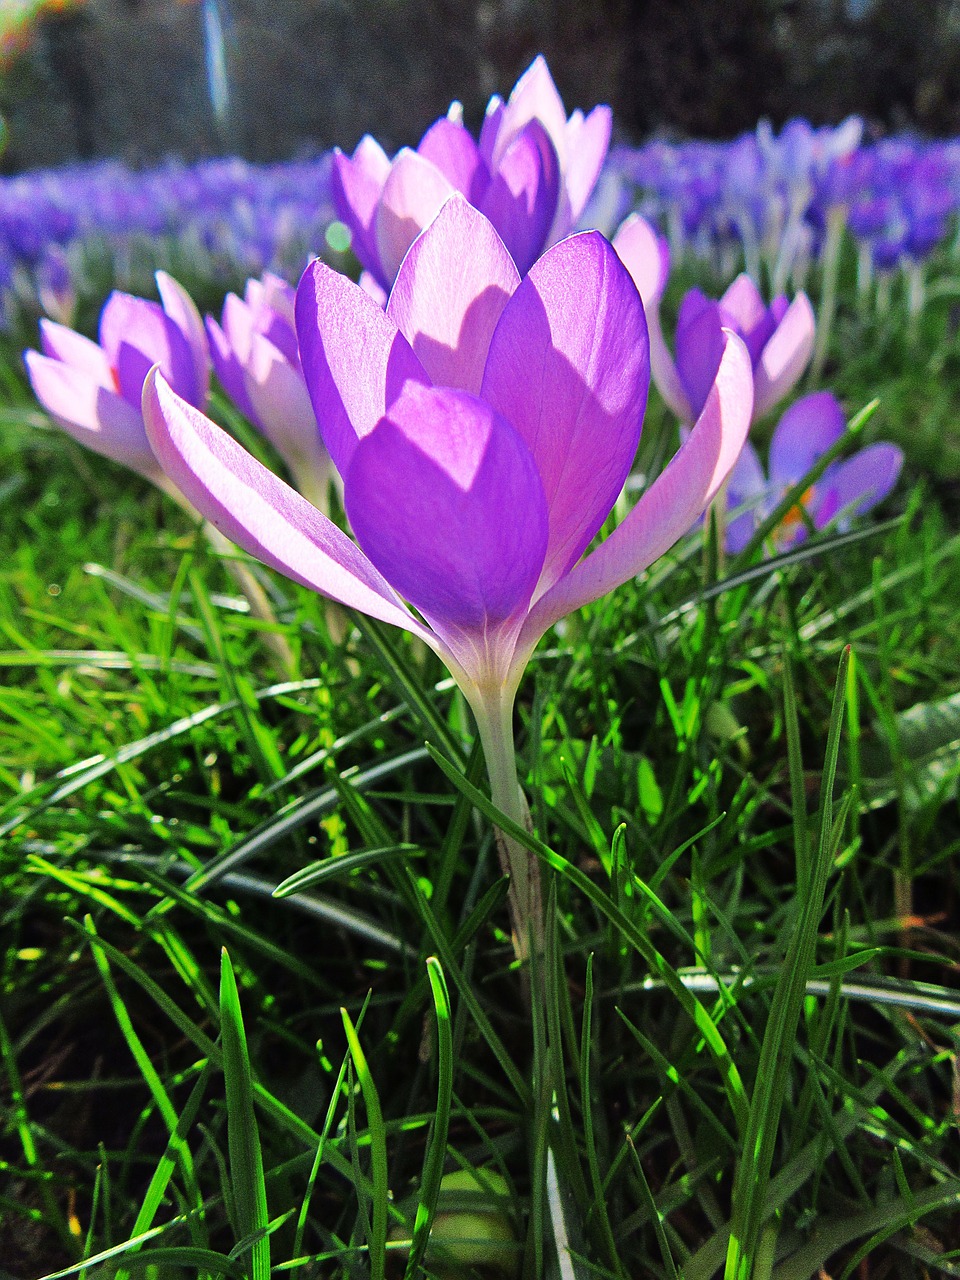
(494, 715)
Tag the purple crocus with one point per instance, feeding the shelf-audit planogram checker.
(483, 426)
(94, 390)
(847, 488)
(256, 358)
(779, 338)
(531, 174)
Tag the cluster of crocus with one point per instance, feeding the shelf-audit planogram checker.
(483, 426)
(779, 340)
(531, 174)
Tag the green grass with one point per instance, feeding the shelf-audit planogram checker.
(748, 842)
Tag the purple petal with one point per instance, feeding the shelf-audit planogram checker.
(450, 146)
(588, 140)
(521, 200)
(672, 503)
(700, 347)
(228, 369)
(490, 129)
(60, 343)
(93, 415)
(785, 356)
(412, 197)
(355, 360)
(857, 484)
(746, 484)
(445, 499)
(449, 294)
(182, 310)
(356, 184)
(807, 430)
(569, 367)
(135, 335)
(261, 514)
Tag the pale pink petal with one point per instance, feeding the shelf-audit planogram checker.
(355, 360)
(588, 140)
(412, 197)
(785, 356)
(449, 294)
(356, 184)
(282, 405)
(672, 503)
(60, 343)
(95, 416)
(646, 256)
(534, 97)
(256, 510)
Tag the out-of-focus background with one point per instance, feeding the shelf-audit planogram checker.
(141, 80)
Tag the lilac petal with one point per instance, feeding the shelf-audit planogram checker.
(450, 146)
(569, 367)
(785, 356)
(746, 485)
(646, 256)
(60, 343)
(859, 483)
(521, 200)
(588, 140)
(372, 287)
(279, 296)
(534, 97)
(412, 197)
(135, 335)
(744, 311)
(671, 504)
(92, 414)
(445, 499)
(700, 346)
(228, 369)
(449, 294)
(807, 430)
(490, 129)
(182, 310)
(256, 510)
(355, 360)
(356, 184)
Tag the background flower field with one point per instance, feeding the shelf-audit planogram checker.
(742, 774)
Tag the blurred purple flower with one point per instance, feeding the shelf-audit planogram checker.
(846, 489)
(256, 357)
(484, 427)
(530, 174)
(93, 391)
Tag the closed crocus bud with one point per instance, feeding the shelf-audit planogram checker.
(93, 390)
(257, 359)
(530, 173)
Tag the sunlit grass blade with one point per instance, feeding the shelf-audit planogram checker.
(380, 1193)
(243, 1135)
(776, 1052)
(433, 1160)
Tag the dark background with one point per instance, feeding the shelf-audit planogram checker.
(130, 78)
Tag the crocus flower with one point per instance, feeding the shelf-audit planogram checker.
(531, 174)
(94, 390)
(779, 338)
(846, 489)
(255, 356)
(483, 427)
